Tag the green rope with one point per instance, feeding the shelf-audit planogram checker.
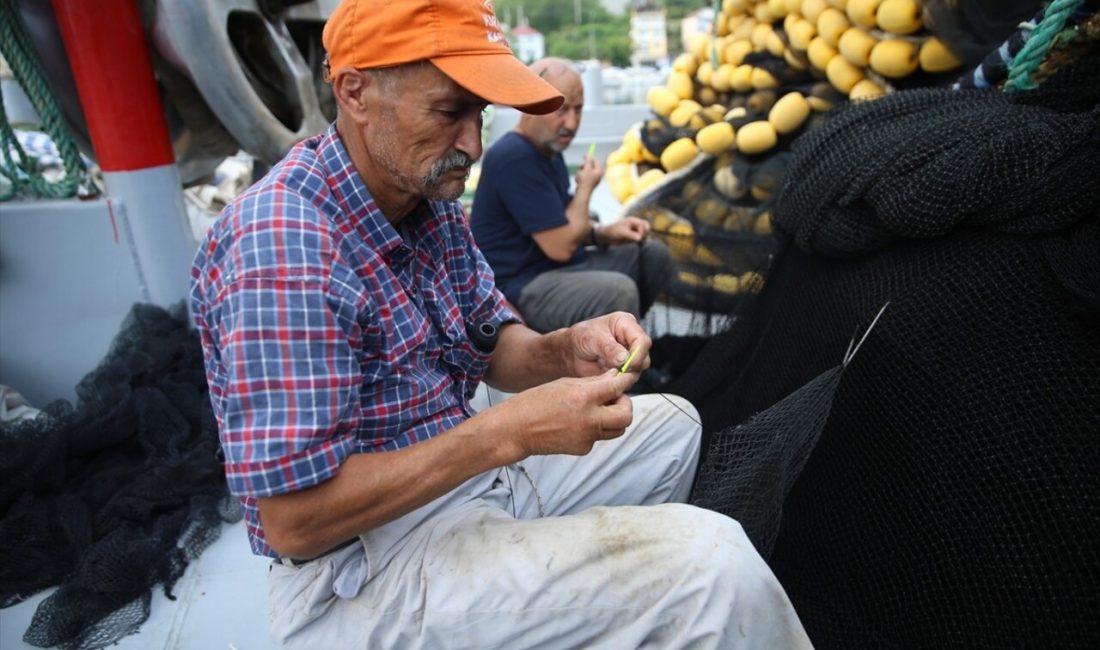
(1034, 51)
(19, 169)
(9, 168)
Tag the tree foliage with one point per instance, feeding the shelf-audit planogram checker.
(606, 41)
(548, 16)
(598, 34)
(677, 9)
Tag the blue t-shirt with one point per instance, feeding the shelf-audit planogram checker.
(520, 192)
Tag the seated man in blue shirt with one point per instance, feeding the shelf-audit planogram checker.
(534, 233)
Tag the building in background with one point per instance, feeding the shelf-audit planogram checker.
(699, 21)
(529, 43)
(648, 35)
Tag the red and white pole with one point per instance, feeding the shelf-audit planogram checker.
(109, 56)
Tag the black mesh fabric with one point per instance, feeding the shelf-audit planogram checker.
(107, 499)
(750, 468)
(953, 496)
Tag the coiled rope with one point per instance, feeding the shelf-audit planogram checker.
(19, 173)
(1038, 43)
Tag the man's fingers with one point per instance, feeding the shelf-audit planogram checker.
(637, 343)
(617, 416)
(613, 386)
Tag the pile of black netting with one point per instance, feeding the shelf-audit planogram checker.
(110, 498)
(942, 488)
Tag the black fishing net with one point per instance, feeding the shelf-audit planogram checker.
(952, 497)
(107, 499)
(749, 468)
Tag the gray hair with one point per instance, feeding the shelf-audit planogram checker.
(387, 78)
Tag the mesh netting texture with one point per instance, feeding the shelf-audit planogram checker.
(952, 498)
(117, 494)
(750, 468)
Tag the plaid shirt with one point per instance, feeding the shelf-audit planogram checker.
(326, 332)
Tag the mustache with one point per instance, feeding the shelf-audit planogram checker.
(452, 161)
(566, 133)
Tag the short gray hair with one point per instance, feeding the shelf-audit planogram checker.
(387, 78)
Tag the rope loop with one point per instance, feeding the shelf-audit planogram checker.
(17, 168)
(1039, 38)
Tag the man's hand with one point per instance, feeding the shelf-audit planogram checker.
(567, 416)
(628, 230)
(524, 359)
(589, 174)
(604, 343)
(560, 243)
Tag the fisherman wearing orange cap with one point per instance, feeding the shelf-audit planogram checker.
(347, 318)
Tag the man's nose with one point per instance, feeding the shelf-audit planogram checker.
(573, 120)
(469, 137)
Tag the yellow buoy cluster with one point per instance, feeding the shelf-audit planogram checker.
(864, 45)
(705, 167)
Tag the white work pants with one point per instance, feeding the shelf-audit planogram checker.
(605, 566)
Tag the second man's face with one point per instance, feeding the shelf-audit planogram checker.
(554, 132)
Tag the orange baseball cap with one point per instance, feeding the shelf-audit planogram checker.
(462, 38)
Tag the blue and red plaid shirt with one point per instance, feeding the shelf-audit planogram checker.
(326, 332)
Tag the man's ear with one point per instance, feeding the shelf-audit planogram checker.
(352, 90)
